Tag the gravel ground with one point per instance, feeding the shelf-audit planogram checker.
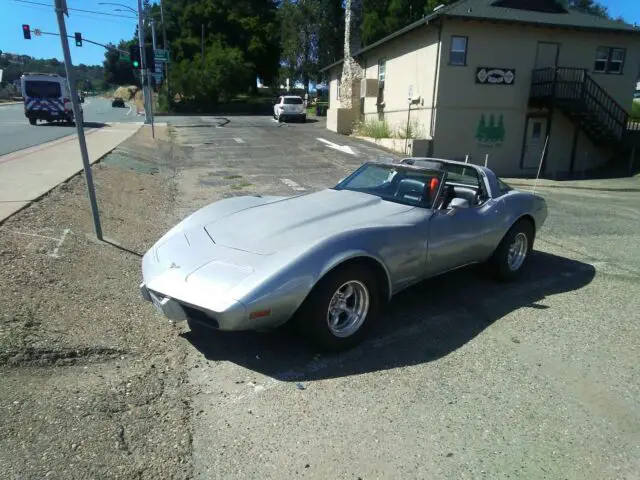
(91, 386)
(465, 378)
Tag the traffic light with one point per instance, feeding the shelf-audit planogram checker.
(134, 54)
(78, 39)
(149, 57)
(26, 31)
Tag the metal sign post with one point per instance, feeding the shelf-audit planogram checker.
(61, 10)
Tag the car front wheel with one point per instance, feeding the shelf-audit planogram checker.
(510, 258)
(341, 309)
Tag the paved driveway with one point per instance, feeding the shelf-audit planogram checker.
(464, 379)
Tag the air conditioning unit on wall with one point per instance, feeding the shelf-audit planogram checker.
(369, 87)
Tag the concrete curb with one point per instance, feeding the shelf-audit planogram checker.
(576, 187)
(66, 180)
(9, 103)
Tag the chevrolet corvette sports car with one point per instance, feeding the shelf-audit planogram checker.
(329, 260)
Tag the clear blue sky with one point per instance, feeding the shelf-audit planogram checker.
(99, 28)
(104, 29)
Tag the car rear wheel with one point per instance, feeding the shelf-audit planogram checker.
(341, 309)
(510, 258)
(33, 121)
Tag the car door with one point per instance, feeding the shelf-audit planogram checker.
(461, 236)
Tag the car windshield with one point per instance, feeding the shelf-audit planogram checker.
(293, 101)
(395, 183)
(42, 89)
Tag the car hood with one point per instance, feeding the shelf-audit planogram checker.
(270, 227)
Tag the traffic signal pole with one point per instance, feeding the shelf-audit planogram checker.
(60, 7)
(143, 76)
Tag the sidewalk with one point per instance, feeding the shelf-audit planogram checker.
(28, 174)
(624, 184)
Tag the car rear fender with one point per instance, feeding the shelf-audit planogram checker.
(524, 205)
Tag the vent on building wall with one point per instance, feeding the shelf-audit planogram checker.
(543, 6)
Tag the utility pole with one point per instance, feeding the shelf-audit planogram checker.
(153, 34)
(164, 45)
(151, 72)
(143, 74)
(61, 11)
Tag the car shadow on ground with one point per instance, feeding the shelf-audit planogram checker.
(421, 324)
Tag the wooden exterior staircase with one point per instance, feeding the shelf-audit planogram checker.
(579, 97)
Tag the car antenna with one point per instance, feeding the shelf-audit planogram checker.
(544, 150)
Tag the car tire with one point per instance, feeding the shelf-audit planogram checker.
(33, 121)
(510, 257)
(340, 331)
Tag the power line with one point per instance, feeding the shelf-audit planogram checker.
(31, 2)
(119, 21)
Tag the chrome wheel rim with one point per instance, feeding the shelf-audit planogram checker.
(348, 308)
(517, 251)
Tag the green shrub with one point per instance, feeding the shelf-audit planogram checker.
(412, 131)
(374, 128)
(635, 111)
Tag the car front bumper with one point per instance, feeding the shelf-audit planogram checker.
(293, 116)
(234, 318)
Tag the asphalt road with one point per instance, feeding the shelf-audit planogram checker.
(16, 133)
(465, 378)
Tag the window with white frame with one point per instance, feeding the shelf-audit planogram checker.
(458, 51)
(382, 70)
(609, 60)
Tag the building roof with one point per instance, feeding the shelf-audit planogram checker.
(548, 12)
(536, 12)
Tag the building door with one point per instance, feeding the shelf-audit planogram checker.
(547, 54)
(535, 135)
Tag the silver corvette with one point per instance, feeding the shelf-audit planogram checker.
(330, 260)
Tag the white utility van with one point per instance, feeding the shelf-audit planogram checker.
(46, 97)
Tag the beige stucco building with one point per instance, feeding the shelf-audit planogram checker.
(494, 77)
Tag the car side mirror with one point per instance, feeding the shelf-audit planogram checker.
(456, 204)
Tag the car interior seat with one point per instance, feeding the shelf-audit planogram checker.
(468, 194)
(410, 189)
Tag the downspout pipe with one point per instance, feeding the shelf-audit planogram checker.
(435, 88)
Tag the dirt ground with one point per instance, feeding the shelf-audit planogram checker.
(90, 386)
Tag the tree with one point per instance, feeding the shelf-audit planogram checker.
(14, 66)
(590, 6)
(117, 67)
(248, 25)
(299, 26)
(330, 32)
(383, 17)
(312, 35)
(221, 75)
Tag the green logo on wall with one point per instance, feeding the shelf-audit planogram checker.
(490, 135)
